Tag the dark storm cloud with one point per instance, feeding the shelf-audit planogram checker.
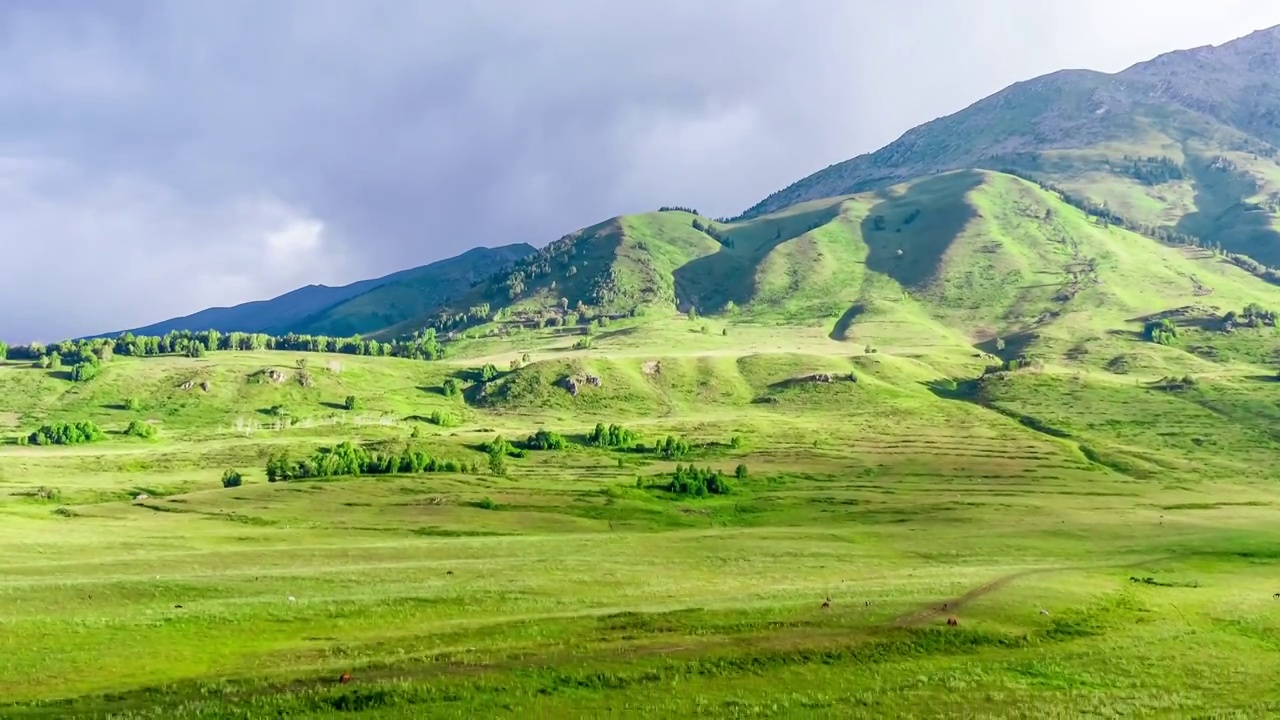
(160, 157)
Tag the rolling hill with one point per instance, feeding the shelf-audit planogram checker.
(942, 263)
(360, 307)
(1186, 141)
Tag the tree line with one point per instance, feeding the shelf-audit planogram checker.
(85, 356)
(347, 458)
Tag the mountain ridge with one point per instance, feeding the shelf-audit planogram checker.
(306, 310)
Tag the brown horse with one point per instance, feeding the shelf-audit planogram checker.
(346, 678)
(952, 622)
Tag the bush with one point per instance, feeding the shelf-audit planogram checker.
(67, 434)
(740, 472)
(351, 403)
(582, 343)
(140, 429)
(441, 419)
(451, 387)
(232, 479)
(132, 403)
(84, 372)
(488, 373)
(1161, 332)
(546, 440)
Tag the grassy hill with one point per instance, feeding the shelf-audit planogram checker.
(1186, 141)
(942, 264)
(358, 308)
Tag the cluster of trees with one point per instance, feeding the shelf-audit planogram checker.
(678, 208)
(1151, 170)
(349, 459)
(613, 436)
(546, 440)
(1253, 316)
(1160, 332)
(93, 352)
(66, 434)
(672, 448)
(712, 232)
(701, 482)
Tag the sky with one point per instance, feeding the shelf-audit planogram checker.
(160, 157)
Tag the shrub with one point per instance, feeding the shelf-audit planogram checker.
(486, 503)
(84, 372)
(441, 419)
(140, 429)
(1161, 332)
(351, 403)
(582, 343)
(132, 403)
(231, 479)
(66, 434)
(488, 373)
(740, 472)
(546, 440)
(451, 387)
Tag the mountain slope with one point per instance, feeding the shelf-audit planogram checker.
(407, 294)
(360, 307)
(1186, 141)
(942, 263)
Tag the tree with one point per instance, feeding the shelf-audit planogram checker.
(693, 313)
(132, 404)
(488, 372)
(84, 372)
(195, 350)
(451, 387)
(351, 403)
(740, 472)
(232, 479)
(4, 350)
(497, 461)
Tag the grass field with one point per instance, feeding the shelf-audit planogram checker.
(1108, 547)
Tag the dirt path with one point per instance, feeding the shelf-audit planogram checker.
(955, 604)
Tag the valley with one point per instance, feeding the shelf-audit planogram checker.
(980, 424)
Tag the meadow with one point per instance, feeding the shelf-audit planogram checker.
(1105, 547)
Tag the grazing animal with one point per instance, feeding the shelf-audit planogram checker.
(1044, 612)
(946, 606)
(346, 678)
(952, 622)
(826, 604)
(449, 572)
(1276, 596)
(293, 599)
(179, 607)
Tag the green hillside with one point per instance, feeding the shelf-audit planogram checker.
(941, 264)
(1186, 142)
(408, 294)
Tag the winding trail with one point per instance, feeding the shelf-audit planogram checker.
(935, 610)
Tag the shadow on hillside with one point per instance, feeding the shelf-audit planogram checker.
(728, 275)
(1222, 216)
(907, 234)
(840, 332)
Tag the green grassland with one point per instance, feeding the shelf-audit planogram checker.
(1106, 540)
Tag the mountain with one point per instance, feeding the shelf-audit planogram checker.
(936, 265)
(1186, 142)
(358, 308)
